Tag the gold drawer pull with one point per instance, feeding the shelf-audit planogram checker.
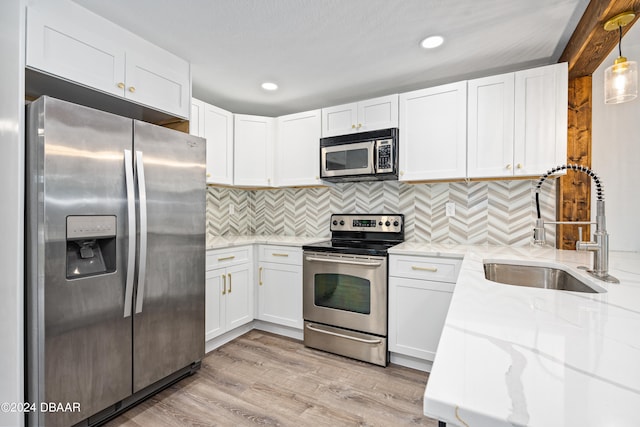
(229, 282)
(285, 255)
(431, 269)
(260, 276)
(226, 258)
(224, 284)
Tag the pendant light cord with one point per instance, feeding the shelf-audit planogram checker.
(620, 41)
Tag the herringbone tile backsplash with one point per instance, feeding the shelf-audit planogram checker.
(493, 212)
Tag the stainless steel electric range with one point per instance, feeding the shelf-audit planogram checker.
(345, 286)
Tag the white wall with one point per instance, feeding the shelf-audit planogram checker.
(11, 206)
(616, 153)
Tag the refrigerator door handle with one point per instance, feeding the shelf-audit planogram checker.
(142, 195)
(131, 222)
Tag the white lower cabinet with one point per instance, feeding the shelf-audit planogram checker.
(280, 285)
(420, 290)
(229, 290)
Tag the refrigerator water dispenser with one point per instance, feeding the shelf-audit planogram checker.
(91, 245)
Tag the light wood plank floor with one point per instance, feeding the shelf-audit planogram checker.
(265, 379)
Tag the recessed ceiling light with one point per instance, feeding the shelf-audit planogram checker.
(269, 86)
(431, 42)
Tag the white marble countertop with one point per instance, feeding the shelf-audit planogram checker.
(230, 241)
(516, 356)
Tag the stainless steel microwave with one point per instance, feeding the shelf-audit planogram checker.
(364, 156)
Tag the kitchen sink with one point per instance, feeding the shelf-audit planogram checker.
(536, 276)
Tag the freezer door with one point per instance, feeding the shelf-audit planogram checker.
(78, 340)
(169, 302)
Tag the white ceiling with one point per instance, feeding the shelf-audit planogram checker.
(328, 52)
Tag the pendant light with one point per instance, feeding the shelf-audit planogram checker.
(620, 79)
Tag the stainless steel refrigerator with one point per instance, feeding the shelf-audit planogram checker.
(115, 260)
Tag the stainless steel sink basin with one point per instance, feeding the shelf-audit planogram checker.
(535, 276)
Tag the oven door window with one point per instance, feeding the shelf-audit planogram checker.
(347, 160)
(342, 292)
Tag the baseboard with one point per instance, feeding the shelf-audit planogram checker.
(286, 331)
(411, 362)
(221, 340)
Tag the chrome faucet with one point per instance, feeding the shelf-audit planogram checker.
(600, 243)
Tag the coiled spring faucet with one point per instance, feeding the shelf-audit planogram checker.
(600, 243)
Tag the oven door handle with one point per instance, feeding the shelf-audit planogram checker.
(335, 334)
(341, 261)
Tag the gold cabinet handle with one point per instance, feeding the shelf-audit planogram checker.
(226, 258)
(229, 282)
(353, 126)
(260, 276)
(132, 89)
(509, 166)
(275, 254)
(401, 173)
(519, 166)
(208, 175)
(121, 85)
(224, 284)
(431, 269)
(359, 125)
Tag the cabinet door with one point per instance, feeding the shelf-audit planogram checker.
(214, 314)
(490, 127)
(540, 119)
(73, 49)
(158, 79)
(339, 120)
(280, 294)
(378, 113)
(297, 149)
(239, 296)
(417, 312)
(218, 130)
(196, 118)
(433, 133)
(253, 147)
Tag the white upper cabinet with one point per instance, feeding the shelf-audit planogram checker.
(518, 122)
(253, 150)
(196, 118)
(490, 126)
(216, 125)
(372, 114)
(433, 124)
(297, 149)
(70, 42)
(541, 103)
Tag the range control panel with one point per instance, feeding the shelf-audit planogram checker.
(388, 223)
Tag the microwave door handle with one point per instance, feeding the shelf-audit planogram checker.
(374, 157)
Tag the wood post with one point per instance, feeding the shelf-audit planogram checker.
(574, 189)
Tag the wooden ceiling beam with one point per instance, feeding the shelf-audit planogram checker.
(590, 44)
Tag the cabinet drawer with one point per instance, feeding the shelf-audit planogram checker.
(280, 254)
(226, 257)
(425, 268)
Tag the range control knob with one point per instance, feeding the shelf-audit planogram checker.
(335, 222)
(387, 223)
(341, 222)
(380, 223)
(396, 223)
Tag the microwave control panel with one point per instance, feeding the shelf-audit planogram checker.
(384, 156)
